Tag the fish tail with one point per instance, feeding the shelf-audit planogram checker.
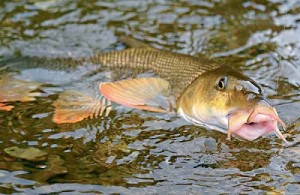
(13, 89)
(8, 63)
(21, 63)
(4, 107)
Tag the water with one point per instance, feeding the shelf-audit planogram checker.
(135, 151)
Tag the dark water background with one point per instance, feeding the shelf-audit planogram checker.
(136, 152)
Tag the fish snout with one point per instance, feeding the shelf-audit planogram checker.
(255, 122)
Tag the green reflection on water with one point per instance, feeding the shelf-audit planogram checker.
(145, 150)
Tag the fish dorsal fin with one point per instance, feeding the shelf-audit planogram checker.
(74, 106)
(134, 43)
(178, 69)
(152, 94)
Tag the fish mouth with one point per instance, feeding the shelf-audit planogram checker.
(252, 124)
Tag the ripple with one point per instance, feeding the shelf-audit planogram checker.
(131, 151)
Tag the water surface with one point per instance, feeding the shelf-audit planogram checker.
(139, 152)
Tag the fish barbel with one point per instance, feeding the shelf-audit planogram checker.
(206, 93)
(203, 92)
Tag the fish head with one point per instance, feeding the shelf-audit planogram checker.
(228, 101)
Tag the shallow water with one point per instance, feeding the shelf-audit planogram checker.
(139, 152)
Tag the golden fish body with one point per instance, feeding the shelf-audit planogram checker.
(206, 93)
(203, 92)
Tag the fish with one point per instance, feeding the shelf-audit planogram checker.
(206, 93)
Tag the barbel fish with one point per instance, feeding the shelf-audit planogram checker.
(203, 92)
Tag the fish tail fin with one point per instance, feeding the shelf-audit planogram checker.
(13, 89)
(22, 62)
(5, 107)
(74, 106)
(7, 63)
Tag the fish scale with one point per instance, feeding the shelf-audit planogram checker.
(199, 99)
(178, 69)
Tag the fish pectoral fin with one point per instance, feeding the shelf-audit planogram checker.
(74, 106)
(152, 94)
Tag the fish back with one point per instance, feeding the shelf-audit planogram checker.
(179, 69)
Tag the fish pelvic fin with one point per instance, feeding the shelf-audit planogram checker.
(151, 94)
(74, 106)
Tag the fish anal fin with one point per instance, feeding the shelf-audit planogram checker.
(150, 94)
(74, 106)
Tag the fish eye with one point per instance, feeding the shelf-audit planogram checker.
(222, 83)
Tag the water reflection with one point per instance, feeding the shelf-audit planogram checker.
(135, 151)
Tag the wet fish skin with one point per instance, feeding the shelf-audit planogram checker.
(190, 77)
(205, 103)
(25, 62)
(195, 84)
(207, 93)
(178, 69)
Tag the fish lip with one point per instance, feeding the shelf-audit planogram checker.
(253, 123)
(256, 127)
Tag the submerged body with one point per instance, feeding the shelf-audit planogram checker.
(203, 92)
